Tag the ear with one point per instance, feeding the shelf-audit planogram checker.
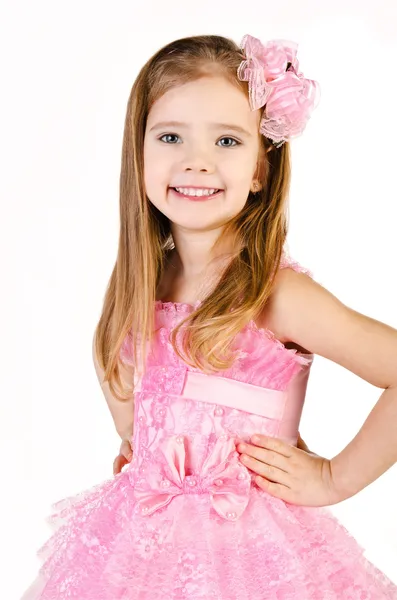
(255, 186)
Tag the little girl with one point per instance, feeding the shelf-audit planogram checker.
(204, 349)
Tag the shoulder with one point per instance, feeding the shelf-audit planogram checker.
(305, 313)
(288, 284)
(298, 302)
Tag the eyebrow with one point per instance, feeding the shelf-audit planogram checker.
(229, 126)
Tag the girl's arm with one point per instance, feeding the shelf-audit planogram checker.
(374, 449)
(122, 412)
(312, 317)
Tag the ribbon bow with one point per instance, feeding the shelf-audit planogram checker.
(272, 72)
(226, 480)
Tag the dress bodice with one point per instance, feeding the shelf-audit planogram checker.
(262, 392)
(187, 423)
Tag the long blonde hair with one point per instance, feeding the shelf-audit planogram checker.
(145, 239)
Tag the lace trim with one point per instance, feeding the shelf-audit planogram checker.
(186, 308)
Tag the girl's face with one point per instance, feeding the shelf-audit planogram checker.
(202, 135)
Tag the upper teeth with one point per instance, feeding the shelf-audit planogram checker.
(196, 192)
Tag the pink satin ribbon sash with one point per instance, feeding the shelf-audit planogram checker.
(282, 406)
(235, 394)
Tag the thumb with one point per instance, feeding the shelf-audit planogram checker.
(126, 449)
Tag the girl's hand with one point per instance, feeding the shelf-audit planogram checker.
(124, 457)
(289, 473)
(303, 446)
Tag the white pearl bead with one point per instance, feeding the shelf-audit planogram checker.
(241, 476)
(179, 439)
(144, 509)
(219, 411)
(192, 482)
(224, 437)
(231, 515)
(218, 482)
(165, 483)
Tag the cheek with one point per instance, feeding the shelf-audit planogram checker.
(156, 175)
(152, 167)
(239, 168)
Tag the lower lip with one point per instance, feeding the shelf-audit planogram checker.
(196, 198)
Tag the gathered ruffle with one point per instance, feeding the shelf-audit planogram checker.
(103, 549)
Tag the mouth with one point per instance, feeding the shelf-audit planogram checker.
(201, 198)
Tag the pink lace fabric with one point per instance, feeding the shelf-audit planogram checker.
(185, 519)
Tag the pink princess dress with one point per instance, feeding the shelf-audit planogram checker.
(185, 519)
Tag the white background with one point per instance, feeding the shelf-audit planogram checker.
(67, 71)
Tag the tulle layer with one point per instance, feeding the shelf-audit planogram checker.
(103, 549)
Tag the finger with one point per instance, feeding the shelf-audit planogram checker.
(275, 489)
(126, 450)
(301, 444)
(268, 457)
(119, 463)
(116, 465)
(116, 468)
(271, 473)
(126, 447)
(271, 443)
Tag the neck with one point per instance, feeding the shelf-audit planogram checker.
(193, 259)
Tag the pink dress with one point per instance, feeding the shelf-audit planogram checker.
(185, 519)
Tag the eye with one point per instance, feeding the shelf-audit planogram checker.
(237, 143)
(168, 135)
(174, 135)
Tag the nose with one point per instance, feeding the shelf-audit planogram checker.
(193, 169)
(198, 160)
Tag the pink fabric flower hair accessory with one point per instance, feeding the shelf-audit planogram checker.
(272, 72)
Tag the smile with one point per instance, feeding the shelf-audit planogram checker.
(196, 194)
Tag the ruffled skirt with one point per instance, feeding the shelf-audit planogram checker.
(103, 549)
